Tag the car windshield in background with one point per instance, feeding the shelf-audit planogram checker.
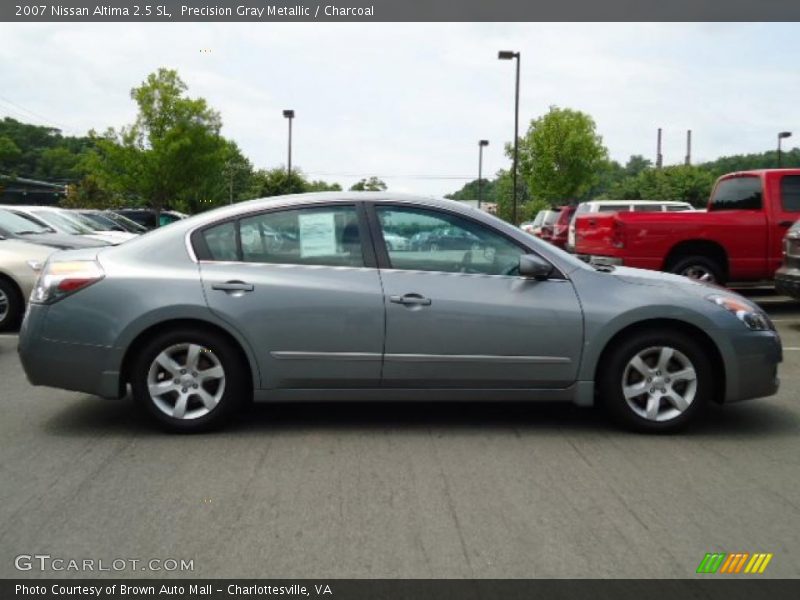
(100, 221)
(20, 225)
(61, 221)
(124, 222)
(737, 193)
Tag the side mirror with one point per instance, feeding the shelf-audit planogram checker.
(534, 266)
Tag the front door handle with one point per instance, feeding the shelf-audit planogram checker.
(786, 223)
(233, 286)
(410, 300)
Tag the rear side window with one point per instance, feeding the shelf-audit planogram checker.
(677, 208)
(326, 236)
(647, 208)
(737, 193)
(613, 208)
(790, 193)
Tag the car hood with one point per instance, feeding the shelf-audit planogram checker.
(669, 281)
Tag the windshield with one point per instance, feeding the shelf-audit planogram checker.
(125, 222)
(62, 222)
(100, 222)
(20, 225)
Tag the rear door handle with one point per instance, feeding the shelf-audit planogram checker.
(410, 300)
(233, 286)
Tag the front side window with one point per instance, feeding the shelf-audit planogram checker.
(790, 193)
(737, 193)
(427, 240)
(326, 236)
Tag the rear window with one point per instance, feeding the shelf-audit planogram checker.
(790, 193)
(737, 193)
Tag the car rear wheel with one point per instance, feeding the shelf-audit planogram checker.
(656, 381)
(700, 268)
(189, 380)
(11, 306)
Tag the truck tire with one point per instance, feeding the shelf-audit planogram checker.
(698, 267)
(656, 381)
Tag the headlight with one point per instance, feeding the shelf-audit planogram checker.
(753, 318)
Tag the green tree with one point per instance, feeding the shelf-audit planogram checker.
(636, 164)
(689, 183)
(373, 184)
(277, 182)
(503, 193)
(9, 154)
(322, 186)
(470, 191)
(561, 156)
(173, 153)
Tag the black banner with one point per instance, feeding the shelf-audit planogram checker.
(713, 588)
(399, 10)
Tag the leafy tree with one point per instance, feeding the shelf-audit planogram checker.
(690, 183)
(373, 184)
(173, 152)
(636, 164)
(470, 191)
(561, 156)
(322, 186)
(9, 154)
(503, 191)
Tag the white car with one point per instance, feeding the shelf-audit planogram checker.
(594, 206)
(64, 221)
(20, 263)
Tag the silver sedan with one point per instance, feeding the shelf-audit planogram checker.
(301, 298)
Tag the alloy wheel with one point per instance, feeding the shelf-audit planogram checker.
(186, 381)
(659, 383)
(700, 273)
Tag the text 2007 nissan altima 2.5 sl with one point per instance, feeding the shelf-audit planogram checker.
(300, 298)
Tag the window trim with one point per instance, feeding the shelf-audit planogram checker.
(199, 251)
(382, 253)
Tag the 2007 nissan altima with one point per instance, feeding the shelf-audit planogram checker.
(301, 298)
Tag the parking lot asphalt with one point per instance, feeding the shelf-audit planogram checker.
(400, 490)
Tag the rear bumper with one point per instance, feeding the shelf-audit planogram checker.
(787, 281)
(76, 367)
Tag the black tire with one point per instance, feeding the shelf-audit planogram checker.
(237, 391)
(14, 303)
(698, 264)
(613, 369)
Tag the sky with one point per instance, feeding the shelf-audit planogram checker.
(409, 102)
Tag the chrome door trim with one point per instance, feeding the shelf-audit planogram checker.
(477, 358)
(296, 355)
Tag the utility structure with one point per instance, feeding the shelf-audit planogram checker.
(659, 156)
(782, 136)
(289, 114)
(688, 147)
(481, 145)
(509, 55)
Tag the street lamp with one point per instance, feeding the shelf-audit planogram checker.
(481, 145)
(782, 135)
(508, 55)
(289, 114)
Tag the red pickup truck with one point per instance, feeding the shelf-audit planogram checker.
(739, 238)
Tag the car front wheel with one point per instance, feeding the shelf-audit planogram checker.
(11, 306)
(656, 381)
(190, 380)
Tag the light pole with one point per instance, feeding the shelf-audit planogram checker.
(481, 145)
(508, 55)
(289, 114)
(781, 136)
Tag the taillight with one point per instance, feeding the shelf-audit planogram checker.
(60, 279)
(618, 234)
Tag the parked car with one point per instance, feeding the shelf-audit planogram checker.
(787, 278)
(545, 230)
(532, 226)
(395, 241)
(207, 322)
(106, 219)
(13, 226)
(598, 206)
(739, 238)
(67, 223)
(559, 230)
(19, 264)
(146, 217)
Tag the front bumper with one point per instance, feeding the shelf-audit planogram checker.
(76, 367)
(752, 365)
(787, 281)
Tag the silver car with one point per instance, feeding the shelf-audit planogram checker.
(312, 304)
